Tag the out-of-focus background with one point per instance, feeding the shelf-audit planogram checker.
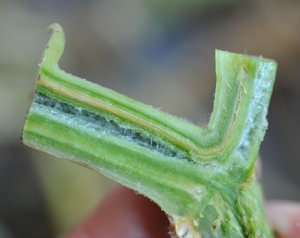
(158, 52)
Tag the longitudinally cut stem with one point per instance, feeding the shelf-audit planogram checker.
(203, 178)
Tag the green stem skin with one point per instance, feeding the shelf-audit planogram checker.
(202, 178)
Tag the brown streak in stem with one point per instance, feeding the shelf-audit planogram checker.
(79, 96)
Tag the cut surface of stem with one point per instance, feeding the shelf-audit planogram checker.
(203, 178)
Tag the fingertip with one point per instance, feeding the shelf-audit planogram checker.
(285, 218)
(122, 213)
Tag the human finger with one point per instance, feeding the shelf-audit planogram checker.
(285, 218)
(123, 213)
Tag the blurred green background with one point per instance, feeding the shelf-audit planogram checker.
(160, 52)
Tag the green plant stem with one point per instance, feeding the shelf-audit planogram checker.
(202, 178)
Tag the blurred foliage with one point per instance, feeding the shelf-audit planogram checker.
(72, 191)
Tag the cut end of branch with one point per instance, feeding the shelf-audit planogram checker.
(182, 228)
